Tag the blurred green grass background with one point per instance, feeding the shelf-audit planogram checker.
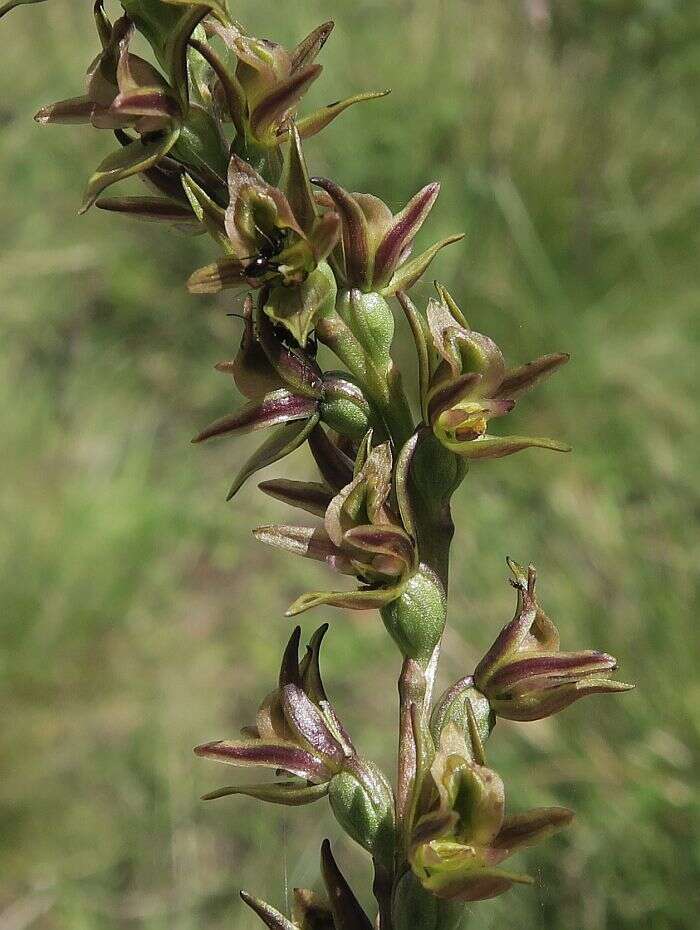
(137, 616)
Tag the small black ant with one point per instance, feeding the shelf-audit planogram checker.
(261, 263)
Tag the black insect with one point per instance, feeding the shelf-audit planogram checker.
(262, 262)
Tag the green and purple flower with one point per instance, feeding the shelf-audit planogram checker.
(524, 674)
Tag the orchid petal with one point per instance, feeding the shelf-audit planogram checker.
(450, 393)
(518, 380)
(155, 209)
(527, 829)
(312, 497)
(226, 272)
(354, 231)
(312, 124)
(408, 273)
(275, 408)
(364, 599)
(134, 158)
(335, 467)
(269, 915)
(347, 913)
(277, 754)
(528, 671)
(307, 50)
(542, 704)
(289, 793)
(286, 439)
(491, 447)
(402, 232)
(282, 98)
(472, 885)
(307, 541)
(75, 110)
(384, 540)
(419, 331)
(308, 725)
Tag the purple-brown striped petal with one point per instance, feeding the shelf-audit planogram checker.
(334, 465)
(295, 367)
(74, 110)
(282, 98)
(307, 50)
(308, 541)
(536, 668)
(527, 829)
(308, 725)
(354, 233)
(309, 496)
(277, 407)
(541, 704)
(472, 885)
(402, 232)
(226, 272)
(155, 209)
(383, 540)
(268, 754)
(524, 377)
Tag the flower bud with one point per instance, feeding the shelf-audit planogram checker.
(416, 619)
(363, 804)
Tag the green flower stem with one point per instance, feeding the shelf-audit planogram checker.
(433, 475)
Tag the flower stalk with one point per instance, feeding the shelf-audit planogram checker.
(209, 122)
